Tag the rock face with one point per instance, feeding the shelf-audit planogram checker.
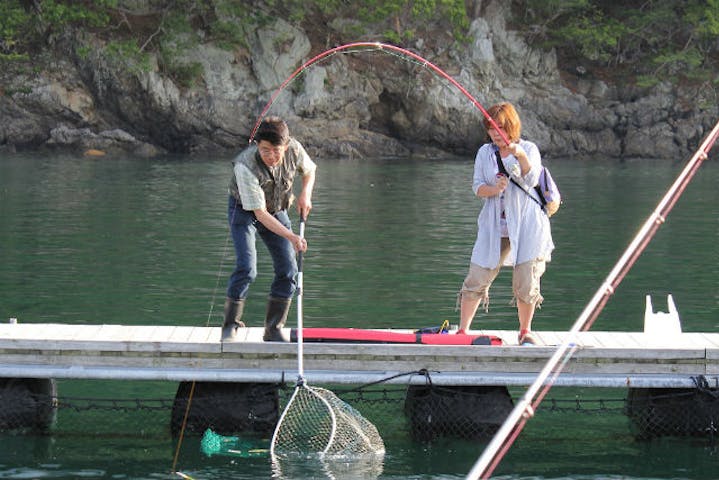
(354, 103)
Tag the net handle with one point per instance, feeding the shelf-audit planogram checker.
(300, 344)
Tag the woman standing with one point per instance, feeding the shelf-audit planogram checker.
(513, 229)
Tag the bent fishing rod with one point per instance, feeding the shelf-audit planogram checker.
(525, 408)
(380, 47)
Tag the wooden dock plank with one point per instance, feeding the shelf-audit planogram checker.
(208, 334)
(180, 334)
(136, 349)
(712, 355)
(710, 340)
(134, 333)
(591, 339)
(87, 333)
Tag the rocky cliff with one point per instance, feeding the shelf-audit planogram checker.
(358, 102)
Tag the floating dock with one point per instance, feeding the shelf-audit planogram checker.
(181, 353)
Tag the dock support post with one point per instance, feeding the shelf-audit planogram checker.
(225, 407)
(28, 403)
(470, 412)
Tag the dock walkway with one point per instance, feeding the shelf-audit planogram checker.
(180, 353)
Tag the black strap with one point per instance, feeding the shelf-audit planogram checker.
(500, 165)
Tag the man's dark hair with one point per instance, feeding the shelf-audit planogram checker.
(273, 130)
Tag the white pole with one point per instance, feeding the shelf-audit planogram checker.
(300, 348)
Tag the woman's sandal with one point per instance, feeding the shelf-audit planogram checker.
(526, 338)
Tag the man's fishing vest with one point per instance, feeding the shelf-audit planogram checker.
(276, 182)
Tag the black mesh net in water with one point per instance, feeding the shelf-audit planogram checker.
(661, 412)
(225, 408)
(423, 413)
(471, 412)
(29, 403)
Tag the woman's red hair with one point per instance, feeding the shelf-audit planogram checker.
(506, 117)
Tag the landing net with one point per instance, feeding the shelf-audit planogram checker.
(316, 421)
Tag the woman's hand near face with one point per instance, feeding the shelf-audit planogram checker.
(519, 153)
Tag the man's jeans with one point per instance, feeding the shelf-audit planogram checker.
(244, 227)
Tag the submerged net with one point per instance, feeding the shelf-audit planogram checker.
(316, 421)
(400, 412)
(471, 412)
(657, 412)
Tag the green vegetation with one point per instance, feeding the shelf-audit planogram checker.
(402, 15)
(397, 20)
(645, 41)
(127, 53)
(14, 21)
(27, 25)
(171, 27)
(649, 40)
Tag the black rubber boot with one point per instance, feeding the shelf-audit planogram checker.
(233, 316)
(277, 310)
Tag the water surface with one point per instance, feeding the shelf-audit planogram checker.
(132, 241)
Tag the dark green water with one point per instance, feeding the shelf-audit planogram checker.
(145, 242)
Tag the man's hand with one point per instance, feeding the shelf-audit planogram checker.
(304, 205)
(299, 243)
(304, 201)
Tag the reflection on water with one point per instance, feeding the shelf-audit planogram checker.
(365, 467)
(145, 242)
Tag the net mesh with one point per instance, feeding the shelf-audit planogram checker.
(471, 412)
(673, 412)
(138, 410)
(317, 421)
(225, 408)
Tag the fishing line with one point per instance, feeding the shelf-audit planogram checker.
(219, 270)
(516, 420)
(182, 432)
(207, 324)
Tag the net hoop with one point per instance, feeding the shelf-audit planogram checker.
(317, 423)
(280, 422)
